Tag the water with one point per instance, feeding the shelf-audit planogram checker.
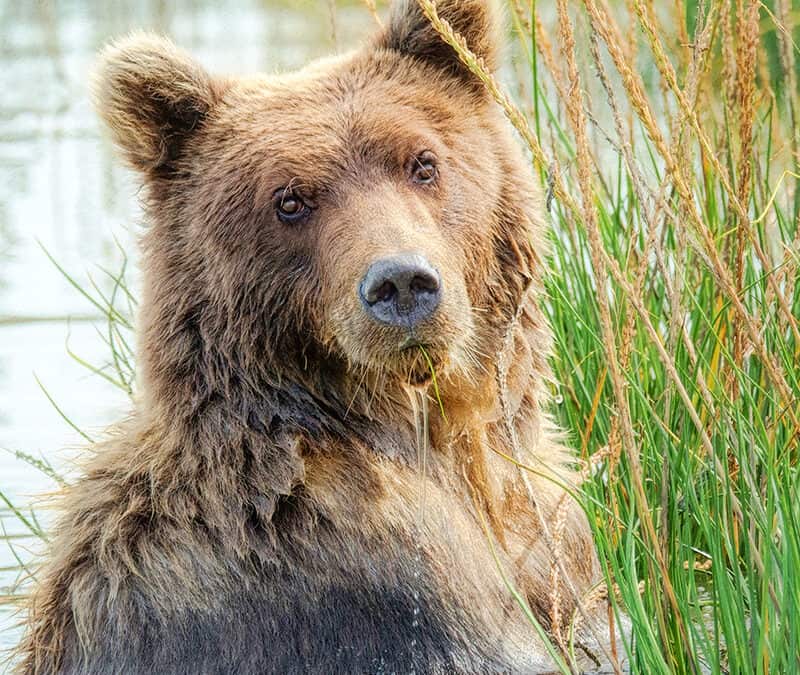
(61, 186)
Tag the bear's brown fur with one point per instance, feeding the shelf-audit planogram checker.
(273, 503)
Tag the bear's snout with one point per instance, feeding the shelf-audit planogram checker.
(401, 290)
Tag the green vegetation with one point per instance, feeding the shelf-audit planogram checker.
(667, 133)
(666, 137)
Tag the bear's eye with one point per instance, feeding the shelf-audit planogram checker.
(290, 207)
(423, 169)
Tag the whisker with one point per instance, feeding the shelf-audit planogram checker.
(357, 390)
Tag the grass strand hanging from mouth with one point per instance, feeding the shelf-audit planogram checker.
(434, 382)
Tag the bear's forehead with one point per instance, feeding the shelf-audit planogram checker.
(347, 112)
(357, 87)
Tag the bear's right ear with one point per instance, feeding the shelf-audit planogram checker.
(152, 96)
(477, 21)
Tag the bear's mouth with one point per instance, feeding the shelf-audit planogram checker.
(418, 371)
(420, 378)
(414, 356)
(419, 361)
(411, 342)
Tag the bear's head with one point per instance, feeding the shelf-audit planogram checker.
(319, 227)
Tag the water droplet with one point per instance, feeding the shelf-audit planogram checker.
(559, 399)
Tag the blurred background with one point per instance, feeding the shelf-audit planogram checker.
(63, 193)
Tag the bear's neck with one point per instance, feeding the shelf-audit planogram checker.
(197, 374)
(188, 381)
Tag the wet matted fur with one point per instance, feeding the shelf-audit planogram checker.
(264, 508)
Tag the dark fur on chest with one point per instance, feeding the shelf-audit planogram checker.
(280, 617)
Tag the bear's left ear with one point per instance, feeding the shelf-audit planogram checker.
(477, 21)
(152, 97)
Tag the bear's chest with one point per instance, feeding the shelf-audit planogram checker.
(414, 591)
(285, 620)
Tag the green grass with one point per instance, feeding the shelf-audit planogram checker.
(695, 505)
(674, 296)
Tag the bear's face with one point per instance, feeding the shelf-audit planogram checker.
(362, 208)
(365, 203)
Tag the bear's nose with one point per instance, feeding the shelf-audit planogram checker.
(401, 290)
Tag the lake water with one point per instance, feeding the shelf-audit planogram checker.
(62, 190)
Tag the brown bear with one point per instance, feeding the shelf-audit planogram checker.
(328, 253)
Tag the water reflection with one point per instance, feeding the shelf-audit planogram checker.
(61, 190)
